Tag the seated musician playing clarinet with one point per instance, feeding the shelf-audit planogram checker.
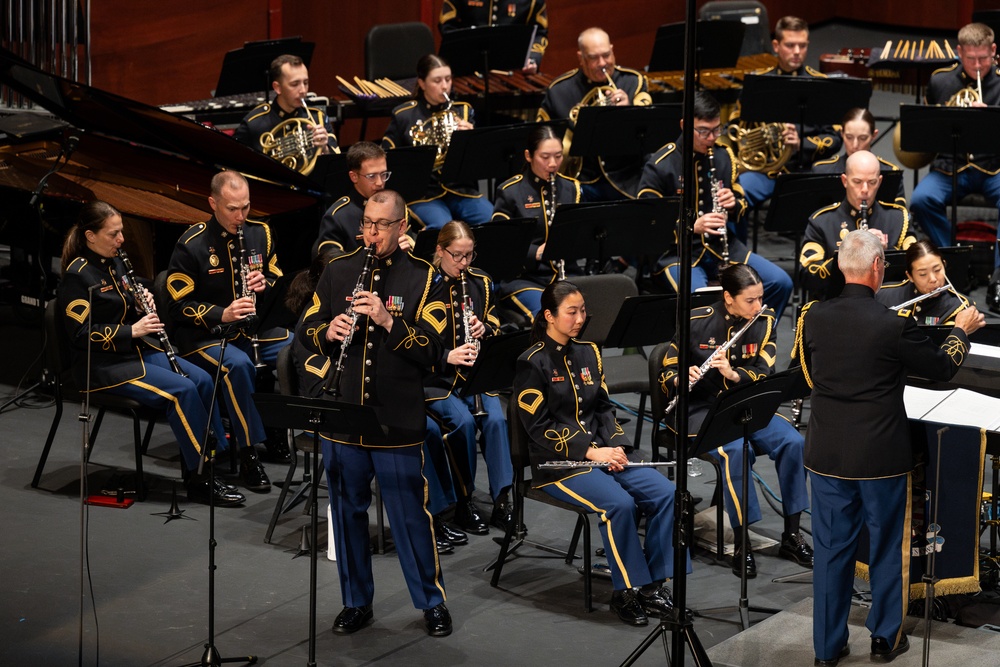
(463, 316)
(860, 210)
(926, 295)
(741, 311)
(535, 193)
(720, 206)
(563, 403)
(430, 120)
(289, 78)
(100, 307)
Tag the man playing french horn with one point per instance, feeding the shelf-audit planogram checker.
(265, 126)
(975, 82)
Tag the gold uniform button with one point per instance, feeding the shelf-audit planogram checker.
(366, 396)
(368, 362)
(369, 346)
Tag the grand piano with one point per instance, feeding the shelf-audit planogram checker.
(153, 166)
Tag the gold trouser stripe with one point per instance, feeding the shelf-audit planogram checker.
(904, 539)
(732, 489)
(430, 522)
(177, 406)
(606, 520)
(232, 398)
(524, 309)
(456, 476)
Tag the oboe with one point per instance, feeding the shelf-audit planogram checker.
(146, 306)
(247, 292)
(333, 381)
(716, 185)
(467, 313)
(551, 211)
(863, 215)
(719, 351)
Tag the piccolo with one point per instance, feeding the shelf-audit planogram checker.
(569, 465)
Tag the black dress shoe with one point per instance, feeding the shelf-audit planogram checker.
(276, 447)
(442, 543)
(252, 472)
(658, 603)
(452, 535)
(747, 560)
(502, 515)
(200, 491)
(882, 650)
(469, 519)
(794, 548)
(438, 621)
(352, 619)
(832, 662)
(626, 604)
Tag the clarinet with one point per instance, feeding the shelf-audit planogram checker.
(863, 215)
(332, 387)
(467, 313)
(716, 185)
(146, 306)
(247, 292)
(719, 351)
(560, 264)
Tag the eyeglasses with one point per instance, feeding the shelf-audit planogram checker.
(458, 257)
(381, 225)
(384, 176)
(705, 132)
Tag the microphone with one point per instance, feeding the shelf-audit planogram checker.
(228, 328)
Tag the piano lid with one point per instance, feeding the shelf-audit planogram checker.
(99, 111)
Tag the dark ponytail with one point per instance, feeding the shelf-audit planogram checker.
(92, 217)
(737, 277)
(552, 298)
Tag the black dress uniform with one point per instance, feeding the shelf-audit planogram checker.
(828, 226)
(663, 176)
(458, 14)
(268, 115)
(341, 224)
(133, 367)
(855, 355)
(441, 201)
(567, 91)
(837, 164)
(203, 278)
(977, 172)
(934, 311)
(752, 358)
(384, 370)
(454, 413)
(563, 403)
(528, 196)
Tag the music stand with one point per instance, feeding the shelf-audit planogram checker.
(801, 100)
(411, 168)
(316, 414)
(501, 246)
(624, 131)
(719, 44)
(953, 131)
(481, 48)
(245, 70)
(330, 173)
(650, 318)
(608, 229)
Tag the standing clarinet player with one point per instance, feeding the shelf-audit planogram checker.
(856, 355)
(99, 310)
(384, 367)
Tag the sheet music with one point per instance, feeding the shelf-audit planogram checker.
(965, 408)
(981, 350)
(920, 401)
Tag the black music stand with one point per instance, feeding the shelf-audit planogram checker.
(953, 131)
(719, 44)
(316, 415)
(649, 319)
(608, 229)
(624, 131)
(480, 49)
(330, 173)
(411, 168)
(245, 70)
(501, 246)
(801, 100)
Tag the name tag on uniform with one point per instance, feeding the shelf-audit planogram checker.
(556, 377)
(212, 272)
(106, 288)
(536, 204)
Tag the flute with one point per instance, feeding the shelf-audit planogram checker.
(569, 465)
(918, 299)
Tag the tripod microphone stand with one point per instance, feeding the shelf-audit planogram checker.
(211, 657)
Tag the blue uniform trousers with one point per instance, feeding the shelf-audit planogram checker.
(784, 445)
(840, 506)
(454, 415)
(436, 212)
(440, 490)
(615, 497)
(757, 187)
(932, 196)
(777, 283)
(186, 401)
(350, 470)
(523, 297)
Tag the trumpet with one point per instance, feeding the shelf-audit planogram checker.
(719, 351)
(246, 292)
(467, 314)
(332, 386)
(145, 305)
(716, 185)
(551, 210)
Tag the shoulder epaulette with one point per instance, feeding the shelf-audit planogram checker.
(892, 166)
(511, 181)
(766, 69)
(533, 349)
(948, 68)
(831, 160)
(667, 150)
(825, 209)
(629, 70)
(892, 204)
(702, 311)
(339, 204)
(901, 283)
(815, 72)
(347, 255)
(260, 110)
(77, 265)
(479, 273)
(193, 231)
(563, 77)
(405, 106)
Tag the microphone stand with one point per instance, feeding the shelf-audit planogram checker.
(211, 657)
(84, 418)
(933, 546)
